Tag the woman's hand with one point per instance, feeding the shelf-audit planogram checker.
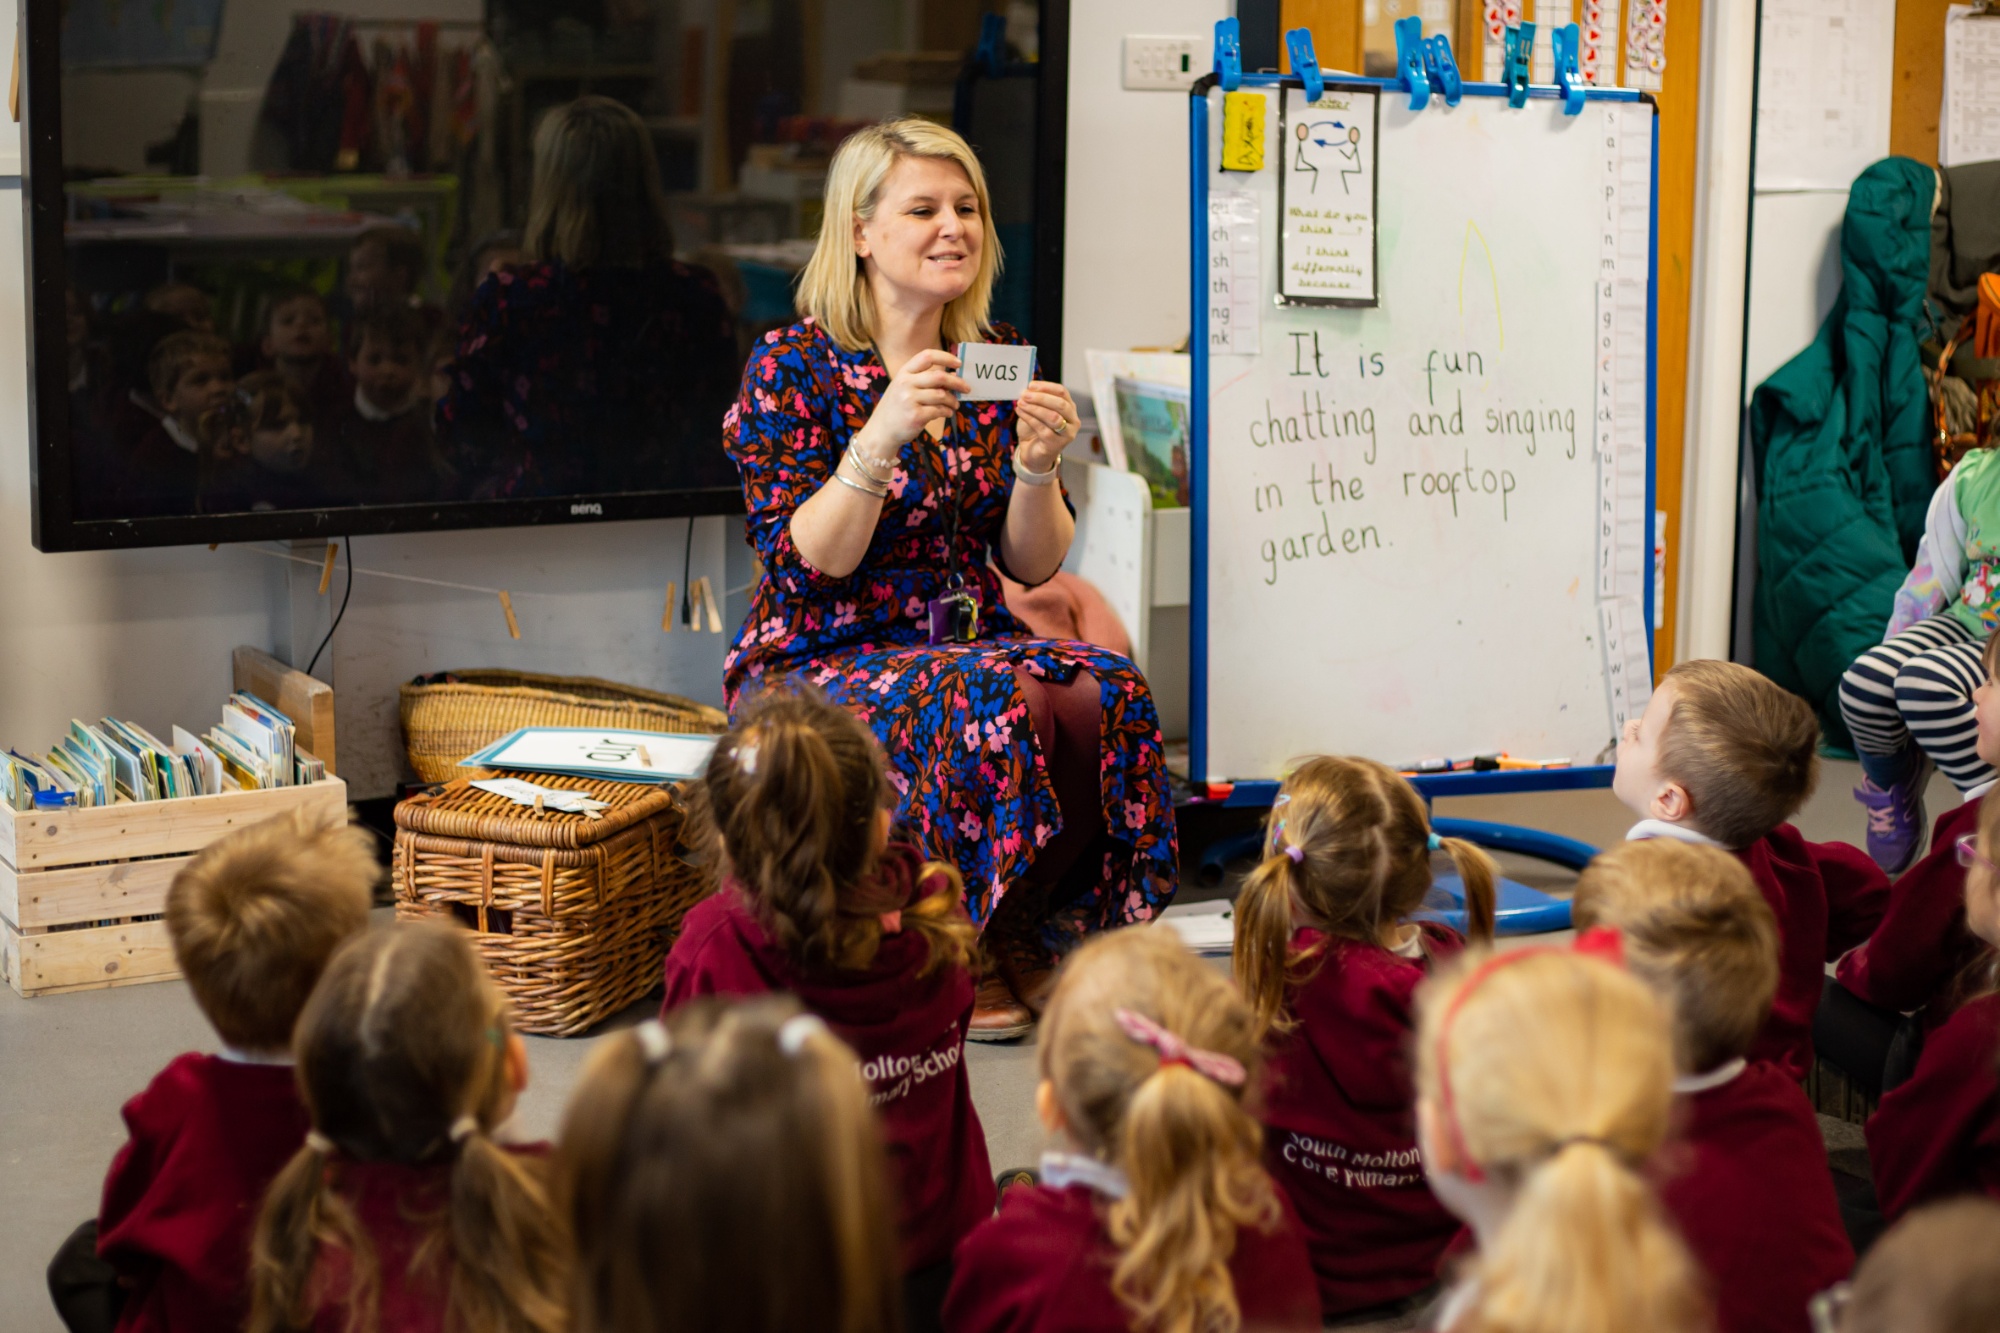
(926, 389)
(1046, 424)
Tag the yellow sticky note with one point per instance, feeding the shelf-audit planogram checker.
(1243, 131)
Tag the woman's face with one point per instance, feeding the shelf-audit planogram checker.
(921, 248)
(283, 446)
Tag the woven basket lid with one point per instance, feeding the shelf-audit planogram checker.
(460, 810)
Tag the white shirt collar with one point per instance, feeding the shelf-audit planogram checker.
(236, 1057)
(370, 412)
(1412, 946)
(1660, 828)
(1060, 1170)
(1980, 790)
(175, 432)
(1714, 1078)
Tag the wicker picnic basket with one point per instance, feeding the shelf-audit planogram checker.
(449, 716)
(573, 915)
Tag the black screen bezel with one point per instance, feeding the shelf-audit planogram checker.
(56, 526)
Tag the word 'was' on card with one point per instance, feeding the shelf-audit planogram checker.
(994, 370)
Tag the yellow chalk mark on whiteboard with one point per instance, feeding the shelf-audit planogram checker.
(1464, 256)
(1243, 131)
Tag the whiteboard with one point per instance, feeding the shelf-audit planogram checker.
(1423, 527)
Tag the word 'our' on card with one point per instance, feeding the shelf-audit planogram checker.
(994, 370)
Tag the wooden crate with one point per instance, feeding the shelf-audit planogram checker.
(81, 891)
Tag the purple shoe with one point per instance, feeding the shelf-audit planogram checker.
(1896, 818)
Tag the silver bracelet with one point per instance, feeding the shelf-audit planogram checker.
(862, 467)
(849, 481)
(1034, 478)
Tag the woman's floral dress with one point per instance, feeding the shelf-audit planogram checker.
(951, 717)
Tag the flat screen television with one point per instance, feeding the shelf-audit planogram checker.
(423, 264)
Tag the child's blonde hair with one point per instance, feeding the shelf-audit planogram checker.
(255, 915)
(1348, 851)
(794, 793)
(1745, 750)
(1697, 931)
(723, 1168)
(834, 288)
(1186, 1142)
(402, 1058)
(1932, 1273)
(1550, 1073)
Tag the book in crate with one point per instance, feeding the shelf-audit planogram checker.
(573, 913)
(82, 890)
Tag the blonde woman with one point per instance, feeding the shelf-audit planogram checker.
(881, 506)
(599, 362)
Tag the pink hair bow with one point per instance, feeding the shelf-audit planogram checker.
(1173, 1051)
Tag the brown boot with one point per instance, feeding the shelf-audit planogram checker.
(997, 1013)
(1027, 966)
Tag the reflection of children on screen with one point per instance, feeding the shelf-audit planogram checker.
(258, 451)
(385, 438)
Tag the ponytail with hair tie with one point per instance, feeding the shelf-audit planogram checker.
(1212, 1065)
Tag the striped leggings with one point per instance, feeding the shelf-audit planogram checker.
(1917, 687)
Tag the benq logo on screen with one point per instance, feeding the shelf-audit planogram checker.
(588, 507)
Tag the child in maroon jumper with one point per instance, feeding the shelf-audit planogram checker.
(1748, 1179)
(297, 342)
(1922, 945)
(253, 919)
(386, 445)
(1723, 757)
(722, 1170)
(1933, 1273)
(1544, 1086)
(818, 901)
(402, 1213)
(1938, 1134)
(1163, 1217)
(1330, 962)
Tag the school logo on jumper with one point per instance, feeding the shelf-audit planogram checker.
(892, 1076)
(1334, 1163)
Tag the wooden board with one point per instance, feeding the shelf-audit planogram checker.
(307, 701)
(1916, 97)
(94, 959)
(43, 898)
(44, 839)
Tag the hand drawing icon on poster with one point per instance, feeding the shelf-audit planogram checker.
(1326, 197)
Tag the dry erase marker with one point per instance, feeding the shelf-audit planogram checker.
(1507, 761)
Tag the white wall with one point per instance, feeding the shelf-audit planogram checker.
(1794, 276)
(1125, 238)
(147, 634)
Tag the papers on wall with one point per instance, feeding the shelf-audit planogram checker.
(1969, 123)
(1326, 198)
(1823, 84)
(1233, 280)
(1619, 421)
(1646, 45)
(621, 756)
(1599, 59)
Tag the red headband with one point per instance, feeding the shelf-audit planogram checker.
(1598, 942)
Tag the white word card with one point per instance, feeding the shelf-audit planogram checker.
(1233, 286)
(1326, 198)
(994, 370)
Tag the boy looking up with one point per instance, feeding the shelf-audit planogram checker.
(1722, 757)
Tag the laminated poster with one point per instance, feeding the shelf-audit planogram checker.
(1326, 198)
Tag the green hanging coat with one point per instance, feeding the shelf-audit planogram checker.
(1842, 440)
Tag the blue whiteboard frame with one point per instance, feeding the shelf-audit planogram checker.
(1260, 791)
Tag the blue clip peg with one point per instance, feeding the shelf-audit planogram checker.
(1299, 42)
(1443, 69)
(1229, 54)
(991, 53)
(1520, 50)
(1410, 61)
(1568, 41)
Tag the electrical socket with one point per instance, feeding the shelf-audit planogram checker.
(1162, 64)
